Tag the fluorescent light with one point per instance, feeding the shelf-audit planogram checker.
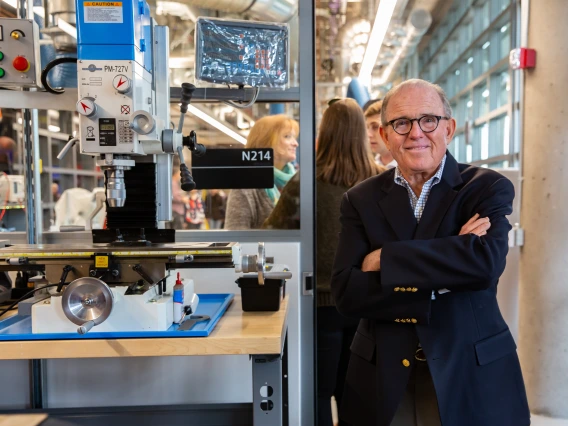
(470, 60)
(469, 104)
(380, 26)
(389, 68)
(67, 27)
(504, 28)
(53, 128)
(485, 93)
(216, 123)
(486, 45)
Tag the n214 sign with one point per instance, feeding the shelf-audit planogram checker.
(234, 169)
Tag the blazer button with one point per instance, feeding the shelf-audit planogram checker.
(408, 320)
(409, 289)
(414, 320)
(396, 289)
(402, 289)
(406, 363)
(414, 289)
(397, 320)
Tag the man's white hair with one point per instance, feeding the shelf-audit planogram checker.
(415, 82)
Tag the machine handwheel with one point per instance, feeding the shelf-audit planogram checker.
(87, 302)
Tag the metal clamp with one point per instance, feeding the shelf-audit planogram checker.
(261, 263)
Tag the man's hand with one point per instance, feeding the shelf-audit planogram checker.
(476, 226)
(372, 261)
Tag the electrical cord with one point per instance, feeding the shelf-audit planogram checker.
(248, 104)
(25, 296)
(48, 68)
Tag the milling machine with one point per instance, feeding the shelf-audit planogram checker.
(124, 280)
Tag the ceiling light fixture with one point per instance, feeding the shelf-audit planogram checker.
(216, 123)
(380, 26)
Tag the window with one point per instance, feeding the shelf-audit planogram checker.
(468, 58)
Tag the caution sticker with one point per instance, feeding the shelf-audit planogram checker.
(101, 261)
(103, 12)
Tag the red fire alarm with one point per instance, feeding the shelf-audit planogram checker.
(522, 58)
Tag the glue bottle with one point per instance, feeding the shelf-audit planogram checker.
(178, 300)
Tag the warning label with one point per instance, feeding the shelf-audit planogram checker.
(102, 12)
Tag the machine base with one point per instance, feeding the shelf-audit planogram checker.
(144, 312)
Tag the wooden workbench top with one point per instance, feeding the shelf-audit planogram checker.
(237, 333)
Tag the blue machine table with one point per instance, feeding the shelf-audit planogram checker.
(259, 334)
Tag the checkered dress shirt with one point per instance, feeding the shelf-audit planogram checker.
(419, 203)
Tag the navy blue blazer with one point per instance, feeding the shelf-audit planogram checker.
(469, 348)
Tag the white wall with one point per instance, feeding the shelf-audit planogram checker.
(165, 380)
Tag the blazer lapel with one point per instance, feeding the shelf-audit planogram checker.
(396, 208)
(439, 200)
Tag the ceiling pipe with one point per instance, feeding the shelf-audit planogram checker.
(266, 10)
(418, 23)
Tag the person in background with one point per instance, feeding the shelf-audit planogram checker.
(249, 208)
(373, 117)
(343, 159)
(215, 212)
(194, 211)
(55, 191)
(7, 150)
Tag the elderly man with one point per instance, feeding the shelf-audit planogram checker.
(420, 253)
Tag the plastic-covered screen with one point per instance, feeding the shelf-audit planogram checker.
(242, 53)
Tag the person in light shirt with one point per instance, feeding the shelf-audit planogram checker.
(420, 253)
(383, 156)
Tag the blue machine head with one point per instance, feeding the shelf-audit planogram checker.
(115, 30)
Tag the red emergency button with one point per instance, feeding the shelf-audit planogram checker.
(21, 64)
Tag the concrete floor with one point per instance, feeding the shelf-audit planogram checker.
(546, 421)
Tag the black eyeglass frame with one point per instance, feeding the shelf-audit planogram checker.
(412, 120)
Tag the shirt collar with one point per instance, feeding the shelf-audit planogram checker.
(399, 178)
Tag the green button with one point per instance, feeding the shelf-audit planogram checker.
(2, 72)
(1, 56)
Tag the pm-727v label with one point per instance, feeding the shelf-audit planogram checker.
(116, 68)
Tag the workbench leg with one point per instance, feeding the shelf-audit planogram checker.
(270, 389)
(38, 383)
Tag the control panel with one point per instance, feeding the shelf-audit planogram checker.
(110, 93)
(20, 64)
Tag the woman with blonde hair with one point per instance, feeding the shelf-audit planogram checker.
(249, 208)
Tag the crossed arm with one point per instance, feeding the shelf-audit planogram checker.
(364, 281)
(476, 226)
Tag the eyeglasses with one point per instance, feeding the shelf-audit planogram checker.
(427, 123)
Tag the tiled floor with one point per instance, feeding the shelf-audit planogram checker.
(546, 421)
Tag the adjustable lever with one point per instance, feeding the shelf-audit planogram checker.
(191, 142)
(70, 144)
(187, 90)
(64, 273)
(187, 182)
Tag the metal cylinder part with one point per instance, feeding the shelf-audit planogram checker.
(116, 189)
